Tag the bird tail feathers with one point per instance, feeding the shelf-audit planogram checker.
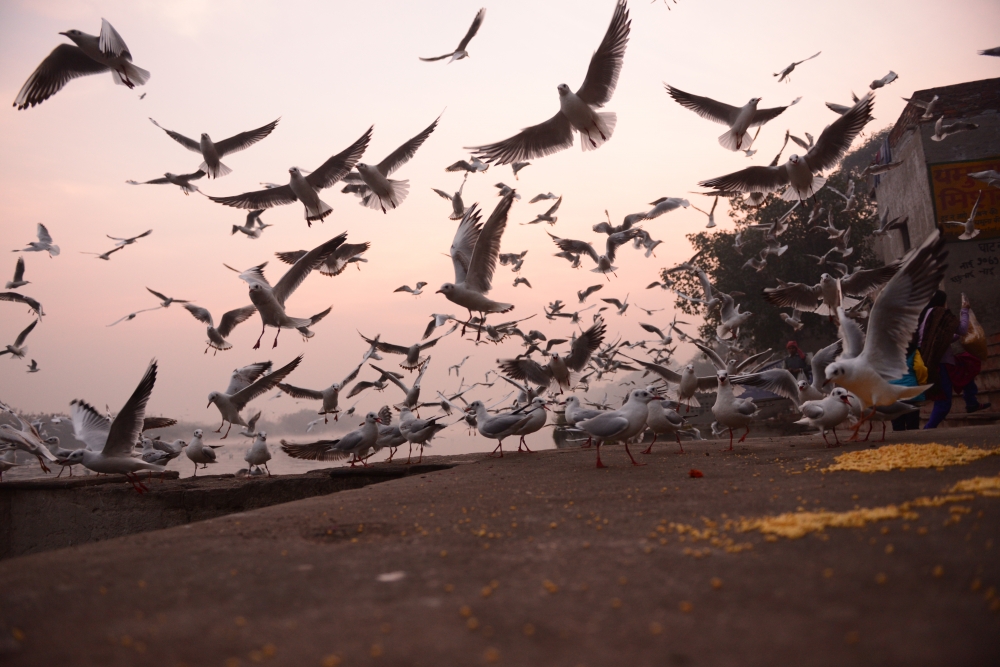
(313, 214)
(732, 140)
(596, 136)
(791, 194)
(219, 170)
(132, 76)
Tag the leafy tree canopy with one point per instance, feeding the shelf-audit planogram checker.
(719, 258)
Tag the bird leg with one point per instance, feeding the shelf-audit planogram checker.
(392, 453)
(275, 344)
(730, 439)
(649, 450)
(227, 431)
(870, 424)
(678, 436)
(41, 462)
(823, 433)
(61, 472)
(883, 432)
(744, 435)
(266, 468)
(421, 458)
(218, 430)
(500, 447)
(599, 464)
(588, 444)
(857, 427)
(634, 462)
(257, 344)
(326, 419)
(836, 439)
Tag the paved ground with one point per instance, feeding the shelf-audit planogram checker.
(542, 560)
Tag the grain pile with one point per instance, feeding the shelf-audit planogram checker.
(902, 457)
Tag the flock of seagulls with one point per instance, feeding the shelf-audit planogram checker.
(851, 377)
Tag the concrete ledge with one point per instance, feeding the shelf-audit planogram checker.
(42, 514)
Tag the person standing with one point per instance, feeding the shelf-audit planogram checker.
(949, 366)
(796, 362)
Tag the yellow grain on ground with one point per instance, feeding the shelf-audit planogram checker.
(984, 486)
(901, 457)
(794, 525)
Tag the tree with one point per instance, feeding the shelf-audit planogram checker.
(719, 258)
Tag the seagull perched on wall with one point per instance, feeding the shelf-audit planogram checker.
(91, 55)
(460, 52)
(800, 174)
(577, 111)
(304, 188)
(739, 119)
(212, 152)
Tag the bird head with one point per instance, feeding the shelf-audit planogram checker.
(262, 436)
(793, 158)
(723, 377)
(212, 398)
(842, 394)
(294, 171)
(76, 456)
(755, 100)
(75, 35)
(834, 371)
(446, 289)
(563, 89)
(205, 137)
(197, 432)
(802, 385)
(53, 440)
(642, 396)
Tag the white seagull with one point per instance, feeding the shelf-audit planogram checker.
(783, 74)
(183, 181)
(329, 396)
(799, 174)
(739, 119)
(577, 111)
(213, 152)
(18, 280)
(18, 349)
(43, 244)
(357, 442)
(619, 425)
(461, 52)
(231, 403)
(258, 455)
(304, 188)
(969, 226)
(91, 55)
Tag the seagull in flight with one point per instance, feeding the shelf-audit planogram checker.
(304, 188)
(130, 240)
(739, 119)
(183, 181)
(91, 55)
(783, 74)
(18, 349)
(577, 111)
(43, 244)
(460, 52)
(217, 335)
(106, 256)
(336, 262)
(165, 301)
(371, 182)
(605, 262)
(800, 174)
(132, 316)
(213, 152)
(18, 280)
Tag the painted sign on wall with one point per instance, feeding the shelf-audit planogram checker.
(954, 194)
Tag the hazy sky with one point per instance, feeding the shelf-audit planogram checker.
(330, 70)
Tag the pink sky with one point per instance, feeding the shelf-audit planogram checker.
(330, 70)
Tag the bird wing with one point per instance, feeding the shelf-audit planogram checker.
(159, 296)
(200, 314)
(464, 243)
(706, 107)
(20, 298)
(526, 369)
(834, 141)
(651, 329)
(473, 29)
(186, 142)
(244, 377)
(89, 426)
(606, 63)
(291, 256)
(401, 155)
(751, 179)
(392, 378)
(338, 166)
(111, 43)
(864, 282)
(746, 363)
(24, 334)
(794, 295)
(19, 270)
(822, 359)
(321, 450)
(238, 142)
(298, 392)
(615, 302)
(388, 348)
(436, 58)
(762, 116)
(259, 199)
(554, 207)
(263, 384)
(552, 136)
(43, 234)
(574, 246)
(713, 356)
(894, 316)
(662, 371)
(312, 259)
(232, 318)
(65, 63)
(606, 425)
(442, 194)
(483, 262)
(584, 346)
(350, 377)
(338, 260)
(126, 429)
(777, 381)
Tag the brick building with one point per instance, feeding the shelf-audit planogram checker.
(932, 187)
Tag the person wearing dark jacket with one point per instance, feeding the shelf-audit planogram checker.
(949, 366)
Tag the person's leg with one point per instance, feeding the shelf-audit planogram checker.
(969, 392)
(941, 407)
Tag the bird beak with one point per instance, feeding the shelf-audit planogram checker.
(438, 292)
(209, 405)
(65, 34)
(828, 381)
(379, 420)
